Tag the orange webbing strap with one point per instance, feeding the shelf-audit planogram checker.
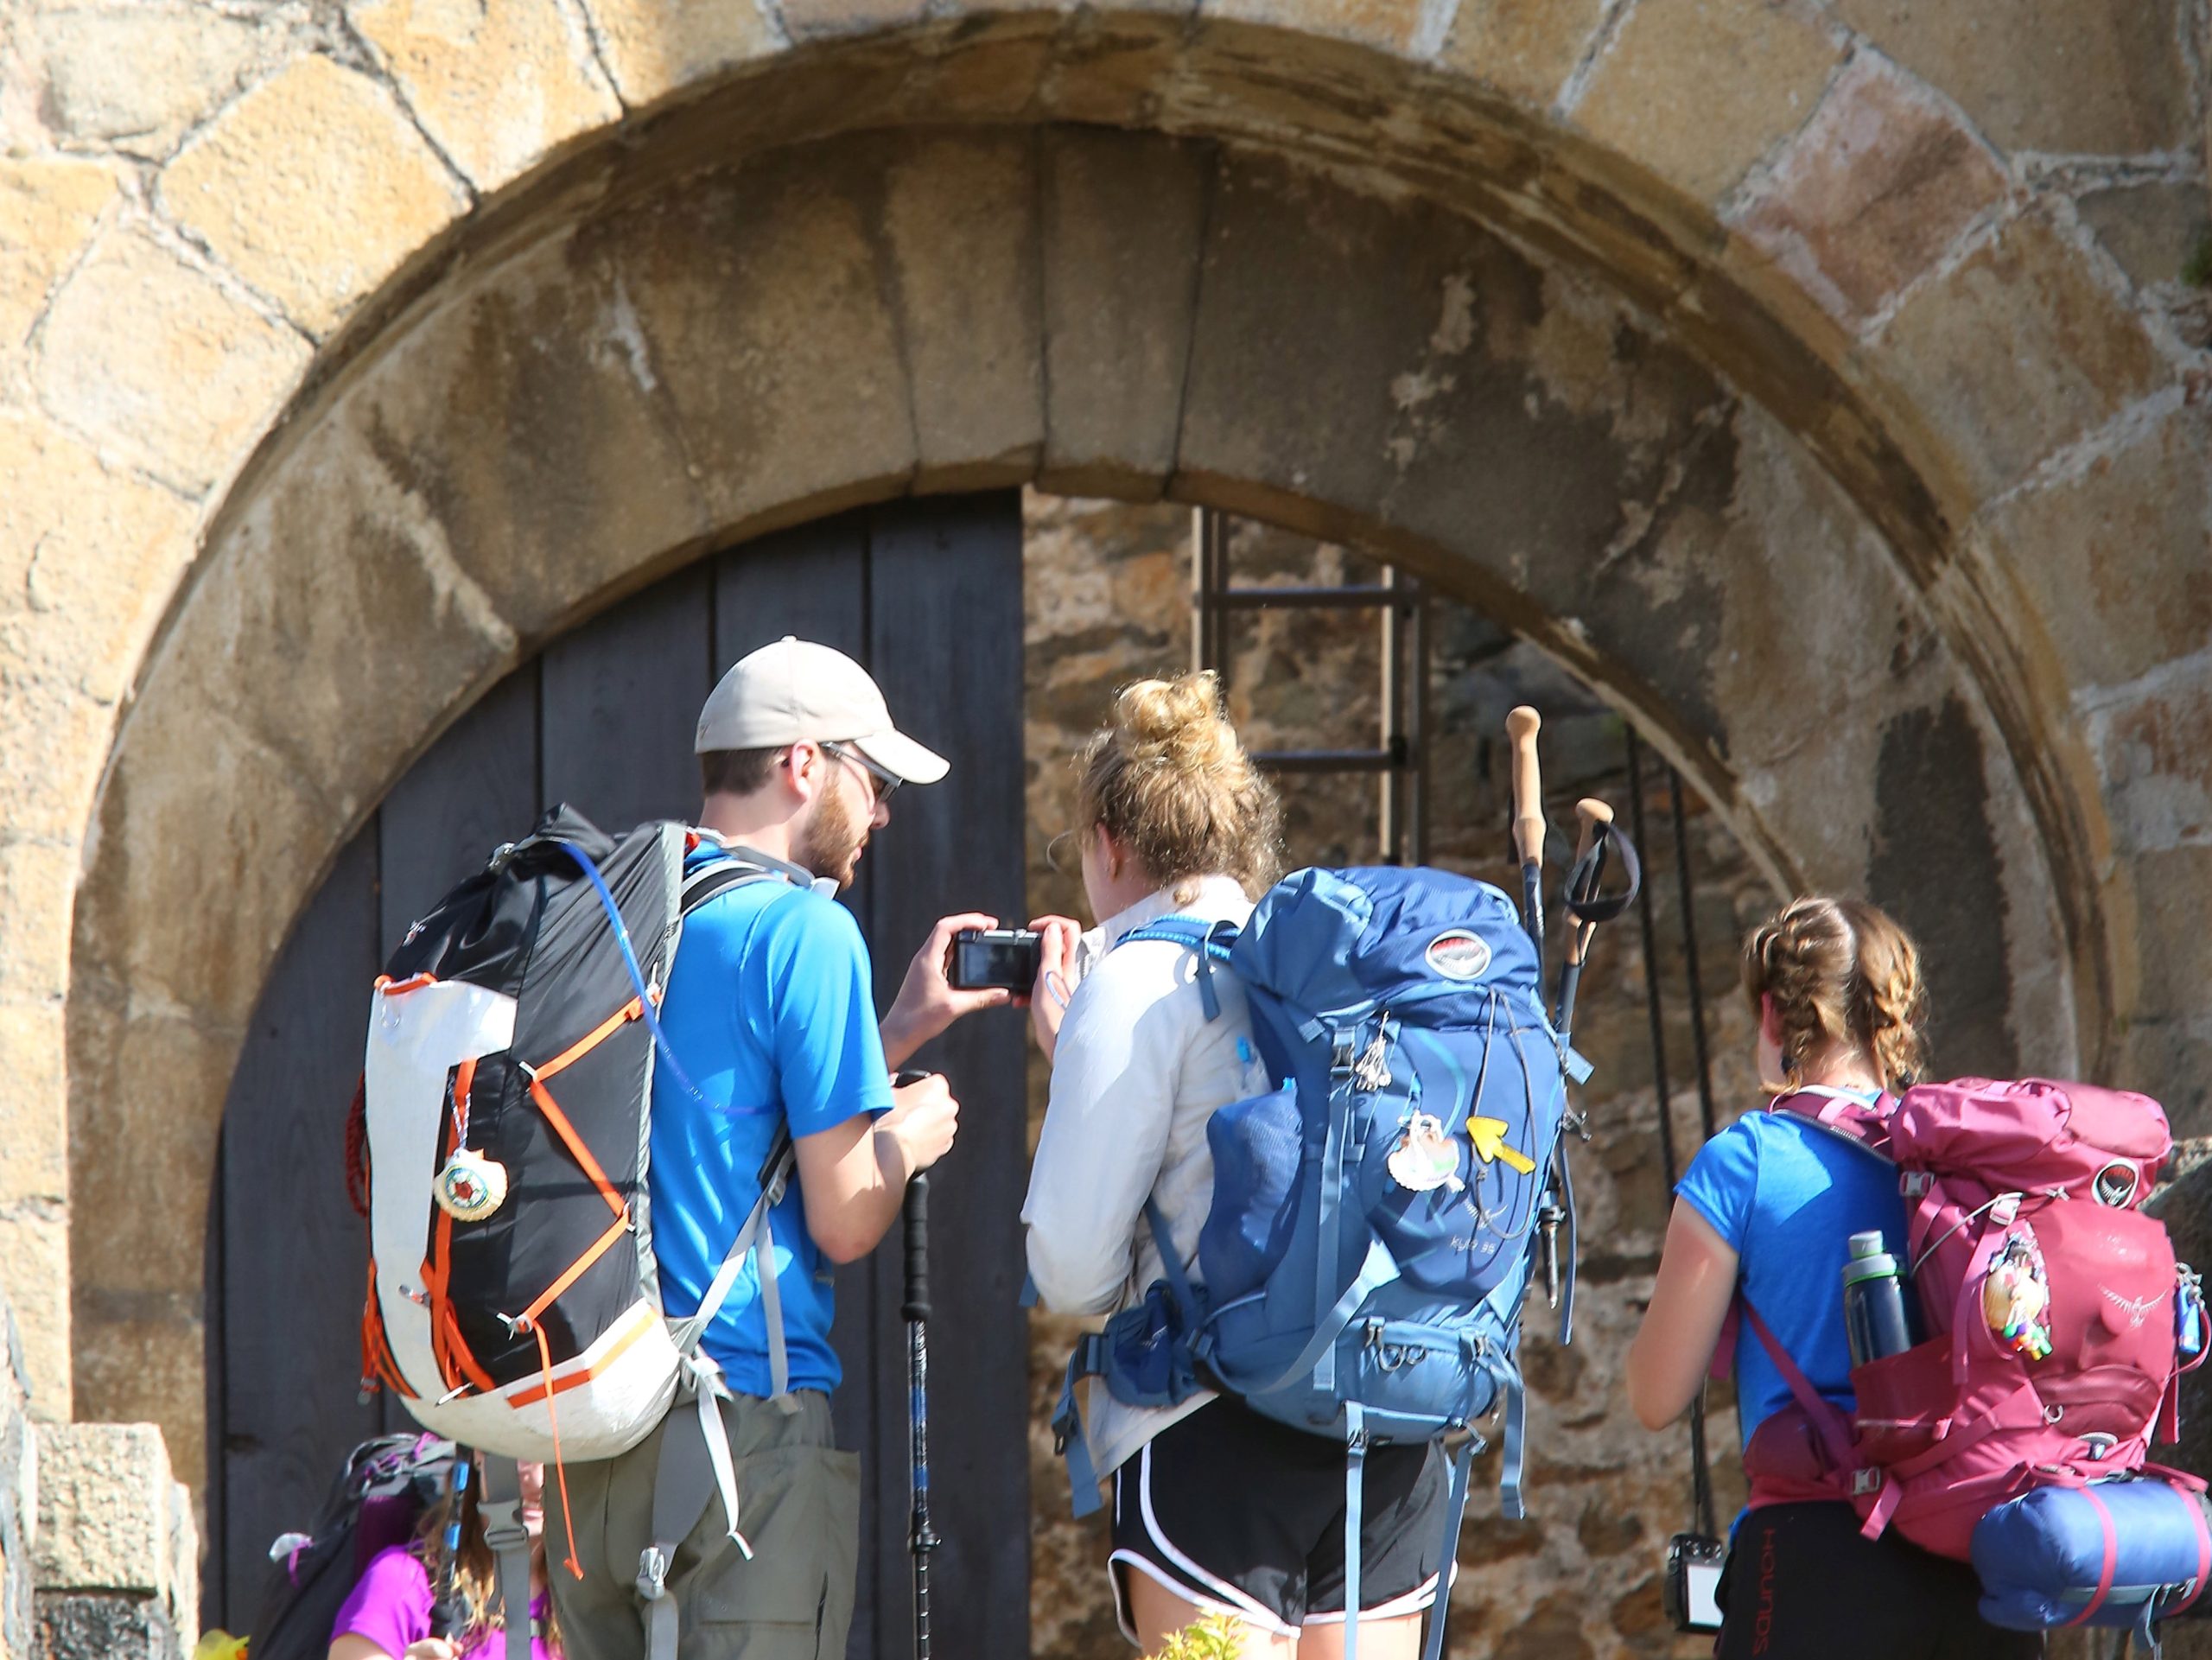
(529, 1316)
(591, 1040)
(560, 1467)
(436, 1272)
(575, 1143)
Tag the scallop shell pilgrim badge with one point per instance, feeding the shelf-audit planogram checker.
(1426, 1157)
(471, 1186)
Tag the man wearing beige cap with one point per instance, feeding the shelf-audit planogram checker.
(769, 1003)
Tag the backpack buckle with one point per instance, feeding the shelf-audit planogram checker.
(1343, 1050)
(1866, 1481)
(652, 1574)
(1915, 1183)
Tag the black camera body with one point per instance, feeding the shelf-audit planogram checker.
(1691, 1590)
(985, 959)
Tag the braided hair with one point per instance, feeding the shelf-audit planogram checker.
(1842, 974)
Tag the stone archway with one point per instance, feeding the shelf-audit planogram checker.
(704, 354)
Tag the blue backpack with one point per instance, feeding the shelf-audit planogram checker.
(1377, 1218)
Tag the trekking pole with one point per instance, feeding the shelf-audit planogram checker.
(1528, 824)
(921, 1538)
(448, 1619)
(1597, 819)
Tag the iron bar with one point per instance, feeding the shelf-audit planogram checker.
(1701, 1516)
(1693, 975)
(1330, 760)
(1361, 596)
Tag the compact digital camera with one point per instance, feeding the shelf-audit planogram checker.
(995, 958)
(1691, 1591)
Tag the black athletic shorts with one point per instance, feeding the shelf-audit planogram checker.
(1803, 1583)
(1245, 1516)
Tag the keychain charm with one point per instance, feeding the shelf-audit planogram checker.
(2015, 1298)
(1426, 1157)
(470, 1187)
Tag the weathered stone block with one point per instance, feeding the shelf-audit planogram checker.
(2117, 555)
(497, 87)
(2173, 930)
(98, 1625)
(139, 80)
(314, 187)
(1653, 94)
(656, 46)
(1526, 48)
(34, 1118)
(149, 355)
(1123, 216)
(103, 1509)
(1390, 24)
(960, 218)
(35, 1266)
(36, 881)
(781, 351)
(2152, 230)
(148, 1370)
(2018, 350)
(522, 437)
(2153, 742)
(49, 205)
(1879, 182)
(815, 20)
(2096, 76)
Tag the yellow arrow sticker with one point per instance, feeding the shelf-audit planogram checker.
(1489, 1136)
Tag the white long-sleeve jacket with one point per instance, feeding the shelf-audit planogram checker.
(1137, 1071)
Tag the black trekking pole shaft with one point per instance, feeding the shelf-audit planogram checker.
(921, 1538)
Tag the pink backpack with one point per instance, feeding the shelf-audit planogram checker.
(2053, 1309)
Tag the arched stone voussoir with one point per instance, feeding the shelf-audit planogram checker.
(333, 633)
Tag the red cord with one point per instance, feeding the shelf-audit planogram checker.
(356, 1149)
(560, 1469)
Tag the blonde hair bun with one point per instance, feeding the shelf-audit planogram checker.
(1167, 778)
(1178, 723)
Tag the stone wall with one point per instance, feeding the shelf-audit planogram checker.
(100, 1559)
(118, 1551)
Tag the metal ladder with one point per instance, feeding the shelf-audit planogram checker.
(1400, 759)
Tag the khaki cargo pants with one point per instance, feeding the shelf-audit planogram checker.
(799, 1502)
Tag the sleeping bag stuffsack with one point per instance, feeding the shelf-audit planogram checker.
(2121, 1552)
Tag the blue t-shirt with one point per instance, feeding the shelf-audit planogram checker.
(770, 1008)
(1788, 1195)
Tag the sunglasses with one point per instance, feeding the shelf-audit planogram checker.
(886, 784)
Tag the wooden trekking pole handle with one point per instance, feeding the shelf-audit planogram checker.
(1521, 727)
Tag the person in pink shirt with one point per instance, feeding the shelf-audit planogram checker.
(388, 1615)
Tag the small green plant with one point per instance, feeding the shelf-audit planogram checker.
(2196, 270)
(1214, 1637)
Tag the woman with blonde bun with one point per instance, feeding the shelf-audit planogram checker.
(1765, 1213)
(1215, 1510)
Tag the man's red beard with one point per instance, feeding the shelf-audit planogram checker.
(830, 844)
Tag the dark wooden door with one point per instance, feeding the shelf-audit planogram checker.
(928, 594)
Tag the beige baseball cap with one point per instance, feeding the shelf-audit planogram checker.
(795, 691)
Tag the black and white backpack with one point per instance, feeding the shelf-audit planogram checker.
(514, 1300)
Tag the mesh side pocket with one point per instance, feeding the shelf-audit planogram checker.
(1258, 1145)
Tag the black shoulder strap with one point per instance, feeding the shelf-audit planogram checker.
(720, 877)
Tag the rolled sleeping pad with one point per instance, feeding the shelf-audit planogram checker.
(2041, 1557)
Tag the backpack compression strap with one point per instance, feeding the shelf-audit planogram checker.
(501, 1509)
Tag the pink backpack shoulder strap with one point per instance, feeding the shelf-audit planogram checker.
(1825, 1417)
(1846, 1114)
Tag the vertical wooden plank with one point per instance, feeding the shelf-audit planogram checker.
(295, 1255)
(812, 582)
(475, 788)
(619, 704)
(214, 1590)
(946, 630)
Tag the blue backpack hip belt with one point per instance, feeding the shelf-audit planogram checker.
(1376, 1217)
